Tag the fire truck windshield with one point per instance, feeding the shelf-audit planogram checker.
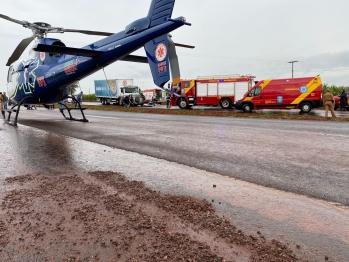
(256, 91)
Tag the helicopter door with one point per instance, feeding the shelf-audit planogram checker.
(11, 80)
(9, 74)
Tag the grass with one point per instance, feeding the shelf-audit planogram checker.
(225, 113)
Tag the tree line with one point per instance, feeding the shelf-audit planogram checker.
(335, 90)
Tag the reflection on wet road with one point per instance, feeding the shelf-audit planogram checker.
(302, 157)
(269, 151)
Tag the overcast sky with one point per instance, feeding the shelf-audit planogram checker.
(257, 37)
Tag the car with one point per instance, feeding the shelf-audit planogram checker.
(337, 101)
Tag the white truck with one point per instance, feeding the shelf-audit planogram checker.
(157, 93)
(115, 90)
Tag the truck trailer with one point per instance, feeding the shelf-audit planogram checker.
(211, 91)
(115, 90)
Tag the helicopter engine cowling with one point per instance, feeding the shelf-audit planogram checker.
(137, 26)
(47, 58)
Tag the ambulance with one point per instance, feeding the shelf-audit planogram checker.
(303, 93)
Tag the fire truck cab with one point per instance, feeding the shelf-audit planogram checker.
(211, 90)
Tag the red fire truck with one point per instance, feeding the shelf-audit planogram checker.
(211, 90)
(304, 93)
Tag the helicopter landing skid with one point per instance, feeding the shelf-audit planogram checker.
(70, 116)
(8, 120)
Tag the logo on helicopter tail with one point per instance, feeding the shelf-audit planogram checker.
(160, 52)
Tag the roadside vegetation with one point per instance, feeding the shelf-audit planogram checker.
(335, 90)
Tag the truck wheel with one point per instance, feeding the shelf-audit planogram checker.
(247, 108)
(305, 107)
(183, 104)
(103, 101)
(225, 103)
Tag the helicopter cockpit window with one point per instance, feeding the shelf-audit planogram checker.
(9, 74)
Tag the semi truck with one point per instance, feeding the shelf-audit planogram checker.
(223, 90)
(115, 90)
(303, 93)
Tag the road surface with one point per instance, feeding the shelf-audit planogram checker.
(297, 169)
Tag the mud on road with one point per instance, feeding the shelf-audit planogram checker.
(101, 216)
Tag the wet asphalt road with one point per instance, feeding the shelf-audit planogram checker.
(304, 157)
(307, 158)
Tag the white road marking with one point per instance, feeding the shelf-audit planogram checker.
(109, 117)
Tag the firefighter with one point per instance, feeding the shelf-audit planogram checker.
(328, 103)
(168, 100)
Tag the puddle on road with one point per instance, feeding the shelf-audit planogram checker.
(317, 227)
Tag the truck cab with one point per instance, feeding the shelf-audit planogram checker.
(131, 91)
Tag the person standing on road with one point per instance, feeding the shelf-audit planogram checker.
(126, 101)
(328, 103)
(131, 100)
(79, 98)
(5, 100)
(343, 100)
(168, 100)
(2, 104)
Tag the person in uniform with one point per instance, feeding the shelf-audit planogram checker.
(168, 101)
(328, 103)
(5, 100)
(343, 100)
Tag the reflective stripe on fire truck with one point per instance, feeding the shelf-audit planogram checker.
(312, 85)
(264, 84)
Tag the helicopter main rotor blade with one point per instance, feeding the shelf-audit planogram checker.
(19, 50)
(87, 32)
(186, 46)
(174, 65)
(13, 20)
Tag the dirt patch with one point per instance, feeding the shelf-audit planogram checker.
(104, 217)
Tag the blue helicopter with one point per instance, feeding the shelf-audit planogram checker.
(52, 67)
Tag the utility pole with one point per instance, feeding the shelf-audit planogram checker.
(291, 62)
